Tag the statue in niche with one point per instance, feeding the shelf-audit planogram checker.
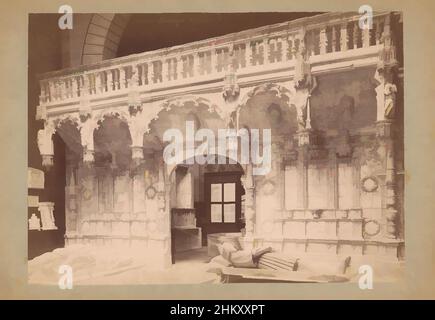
(304, 83)
(302, 76)
(390, 91)
(386, 69)
(387, 89)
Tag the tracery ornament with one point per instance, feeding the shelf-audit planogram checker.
(369, 184)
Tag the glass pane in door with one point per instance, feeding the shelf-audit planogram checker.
(229, 192)
(216, 192)
(229, 212)
(216, 212)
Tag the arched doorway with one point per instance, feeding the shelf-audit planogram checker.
(204, 199)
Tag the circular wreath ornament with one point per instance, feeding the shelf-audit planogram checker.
(151, 192)
(268, 187)
(87, 194)
(372, 228)
(369, 184)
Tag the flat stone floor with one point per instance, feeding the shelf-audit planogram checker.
(111, 266)
(101, 267)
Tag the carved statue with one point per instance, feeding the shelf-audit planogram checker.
(302, 76)
(304, 83)
(386, 91)
(390, 91)
(300, 102)
(45, 142)
(385, 72)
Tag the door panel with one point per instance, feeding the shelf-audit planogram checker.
(222, 202)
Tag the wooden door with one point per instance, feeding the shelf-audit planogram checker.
(222, 195)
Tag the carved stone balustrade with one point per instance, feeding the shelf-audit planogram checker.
(328, 36)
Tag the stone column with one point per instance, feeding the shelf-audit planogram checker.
(71, 204)
(333, 179)
(88, 186)
(163, 236)
(386, 138)
(302, 182)
(386, 104)
(136, 124)
(212, 60)
(278, 171)
(303, 83)
(87, 126)
(138, 223)
(249, 186)
(138, 177)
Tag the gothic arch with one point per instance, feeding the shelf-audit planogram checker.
(120, 113)
(280, 91)
(168, 104)
(154, 113)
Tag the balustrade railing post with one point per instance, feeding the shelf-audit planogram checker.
(335, 38)
(51, 90)
(145, 73)
(180, 67)
(110, 81)
(152, 72)
(248, 53)
(62, 89)
(355, 34)
(98, 83)
(343, 37)
(43, 92)
(195, 64)
(378, 31)
(323, 41)
(122, 78)
(284, 48)
(266, 50)
(213, 60)
(366, 38)
(116, 79)
(165, 70)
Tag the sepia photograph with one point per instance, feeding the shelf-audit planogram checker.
(215, 148)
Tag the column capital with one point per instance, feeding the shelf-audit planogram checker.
(87, 126)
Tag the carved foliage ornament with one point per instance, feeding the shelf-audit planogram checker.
(231, 89)
(279, 90)
(369, 184)
(150, 192)
(371, 228)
